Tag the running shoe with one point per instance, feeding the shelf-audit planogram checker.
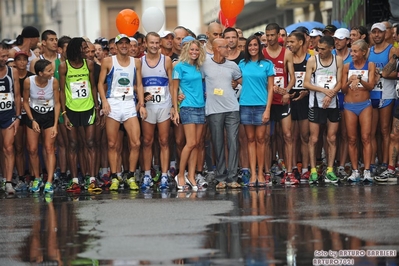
(305, 177)
(387, 175)
(48, 188)
(268, 179)
(296, 173)
(9, 188)
(147, 182)
(114, 184)
(200, 180)
(164, 182)
(36, 185)
(330, 177)
(285, 179)
(94, 187)
(21, 186)
(354, 177)
(342, 174)
(73, 188)
(314, 178)
(245, 178)
(293, 179)
(367, 176)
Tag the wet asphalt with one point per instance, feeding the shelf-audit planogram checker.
(303, 225)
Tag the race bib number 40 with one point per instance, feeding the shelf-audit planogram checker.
(327, 82)
(79, 89)
(6, 101)
(158, 94)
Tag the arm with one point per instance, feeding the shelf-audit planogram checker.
(340, 66)
(90, 66)
(310, 68)
(35, 125)
(56, 96)
(169, 68)
(266, 113)
(17, 101)
(105, 67)
(289, 65)
(62, 69)
(32, 65)
(345, 81)
(175, 88)
(371, 83)
(140, 90)
(391, 69)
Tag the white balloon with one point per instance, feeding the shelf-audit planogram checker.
(153, 19)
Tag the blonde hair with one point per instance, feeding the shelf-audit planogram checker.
(185, 57)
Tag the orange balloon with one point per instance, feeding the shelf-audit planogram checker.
(231, 8)
(127, 22)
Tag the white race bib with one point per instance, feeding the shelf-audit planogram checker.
(363, 73)
(123, 93)
(6, 101)
(158, 94)
(279, 82)
(325, 81)
(42, 106)
(79, 89)
(299, 79)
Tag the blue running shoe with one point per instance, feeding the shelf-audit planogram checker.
(245, 178)
(48, 188)
(164, 182)
(37, 183)
(147, 182)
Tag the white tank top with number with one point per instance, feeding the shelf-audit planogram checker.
(121, 80)
(325, 77)
(156, 82)
(41, 99)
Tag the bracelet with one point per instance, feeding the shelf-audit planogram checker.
(63, 113)
(32, 120)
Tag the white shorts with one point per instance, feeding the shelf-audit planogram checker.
(157, 115)
(121, 110)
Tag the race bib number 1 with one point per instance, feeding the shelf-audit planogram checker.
(124, 93)
(6, 101)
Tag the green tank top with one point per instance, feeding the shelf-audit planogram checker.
(78, 88)
(56, 73)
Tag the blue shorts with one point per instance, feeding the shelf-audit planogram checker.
(357, 108)
(6, 118)
(381, 103)
(252, 115)
(192, 115)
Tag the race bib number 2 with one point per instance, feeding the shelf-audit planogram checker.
(6, 101)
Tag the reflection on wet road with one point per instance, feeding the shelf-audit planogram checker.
(271, 226)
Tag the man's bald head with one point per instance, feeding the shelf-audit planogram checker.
(214, 31)
(220, 47)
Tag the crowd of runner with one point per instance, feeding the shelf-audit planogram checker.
(173, 110)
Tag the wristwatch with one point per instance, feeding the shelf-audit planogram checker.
(359, 77)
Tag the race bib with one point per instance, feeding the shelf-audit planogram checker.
(42, 106)
(123, 93)
(158, 94)
(299, 79)
(6, 101)
(79, 89)
(217, 91)
(356, 72)
(325, 81)
(279, 82)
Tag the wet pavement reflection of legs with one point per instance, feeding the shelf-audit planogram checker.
(274, 226)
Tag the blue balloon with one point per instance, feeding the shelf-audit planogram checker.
(308, 24)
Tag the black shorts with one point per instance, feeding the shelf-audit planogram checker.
(278, 112)
(6, 118)
(44, 120)
(320, 115)
(300, 109)
(81, 119)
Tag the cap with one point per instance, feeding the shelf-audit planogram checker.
(20, 53)
(315, 32)
(380, 26)
(341, 33)
(120, 37)
(280, 41)
(30, 32)
(202, 37)
(259, 33)
(303, 30)
(187, 39)
(166, 33)
(331, 28)
(10, 42)
(133, 40)
(10, 59)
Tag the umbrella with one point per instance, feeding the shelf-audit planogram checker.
(308, 24)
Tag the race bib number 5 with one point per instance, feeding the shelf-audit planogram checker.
(327, 82)
(6, 101)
